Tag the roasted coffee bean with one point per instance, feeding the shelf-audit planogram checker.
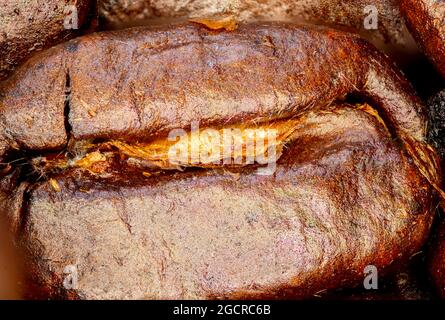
(102, 212)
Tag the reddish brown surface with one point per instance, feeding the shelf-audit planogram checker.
(144, 81)
(335, 205)
(391, 35)
(426, 20)
(345, 194)
(29, 26)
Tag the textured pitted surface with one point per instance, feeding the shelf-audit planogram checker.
(335, 205)
(31, 25)
(426, 20)
(155, 79)
(391, 34)
(436, 112)
(347, 191)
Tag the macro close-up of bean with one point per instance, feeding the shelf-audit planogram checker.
(222, 150)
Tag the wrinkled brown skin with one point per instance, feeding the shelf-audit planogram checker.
(437, 261)
(391, 36)
(345, 194)
(426, 20)
(32, 25)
